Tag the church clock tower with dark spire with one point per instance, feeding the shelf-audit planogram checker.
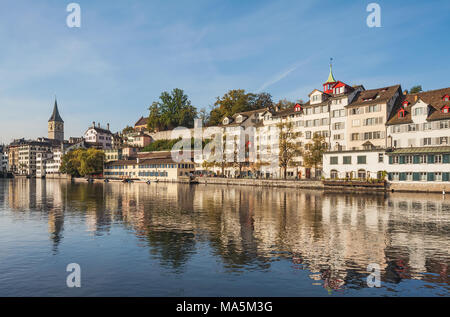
(56, 125)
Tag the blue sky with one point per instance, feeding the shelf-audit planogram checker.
(127, 52)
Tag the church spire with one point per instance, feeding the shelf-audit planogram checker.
(330, 76)
(55, 115)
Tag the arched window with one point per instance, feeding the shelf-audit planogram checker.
(380, 174)
(334, 174)
(362, 174)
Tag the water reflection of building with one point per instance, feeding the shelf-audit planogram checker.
(334, 236)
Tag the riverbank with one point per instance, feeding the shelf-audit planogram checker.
(412, 187)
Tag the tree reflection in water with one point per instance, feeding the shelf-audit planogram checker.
(332, 235)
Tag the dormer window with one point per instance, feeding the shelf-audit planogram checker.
(226, 121)
(316, 98)
(446, 98)
(297, 107)
(401, 113)
(239, 118)
(445, 109)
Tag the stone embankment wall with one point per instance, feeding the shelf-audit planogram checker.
(430, 187)
(261, 182)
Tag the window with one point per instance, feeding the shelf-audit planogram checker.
(401, 113)
(427, 141)
(443, 125)
(409, 176)
(419, 111)
(334, 160)
(338, 126)
(355, 111)
(380, 157)
(361, 174)
(438, 159)
(423, 176)
(445, 109)
(334, 174)
(443, 140)
(362, 159)
(355, 136)
(411, 127)
(316, 98)
(316, 110)
(308, 134)
(324, 109)
(347, 160)
(356, 123)
(408, 159)
(423, 159)
(438, 177)
(374, 108)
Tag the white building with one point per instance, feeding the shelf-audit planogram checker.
(358, 164)
(96, 135)
(27, 156)
(421, 119)
(3, 160)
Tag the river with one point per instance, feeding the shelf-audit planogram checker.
(212, 240)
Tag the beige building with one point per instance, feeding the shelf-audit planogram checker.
(367, 117)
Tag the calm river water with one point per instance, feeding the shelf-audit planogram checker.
(209, 240)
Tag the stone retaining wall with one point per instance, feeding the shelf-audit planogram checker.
(261, 182)
(430, 187)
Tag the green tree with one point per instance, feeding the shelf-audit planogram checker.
(172, 110)
(128, 129)
(91, 162)
(235, 101)
(288, 148)
(286, 104)
(314, 151)
(154, 118)
(82, 162)
(415, 89)
(70, 163)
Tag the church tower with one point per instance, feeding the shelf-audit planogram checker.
(56, 125)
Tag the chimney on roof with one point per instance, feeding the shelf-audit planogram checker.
(415, 98)
(405, 92)
(93, 124)
(98, 124)
(107, 126)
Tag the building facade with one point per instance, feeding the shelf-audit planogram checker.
(97, 135)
